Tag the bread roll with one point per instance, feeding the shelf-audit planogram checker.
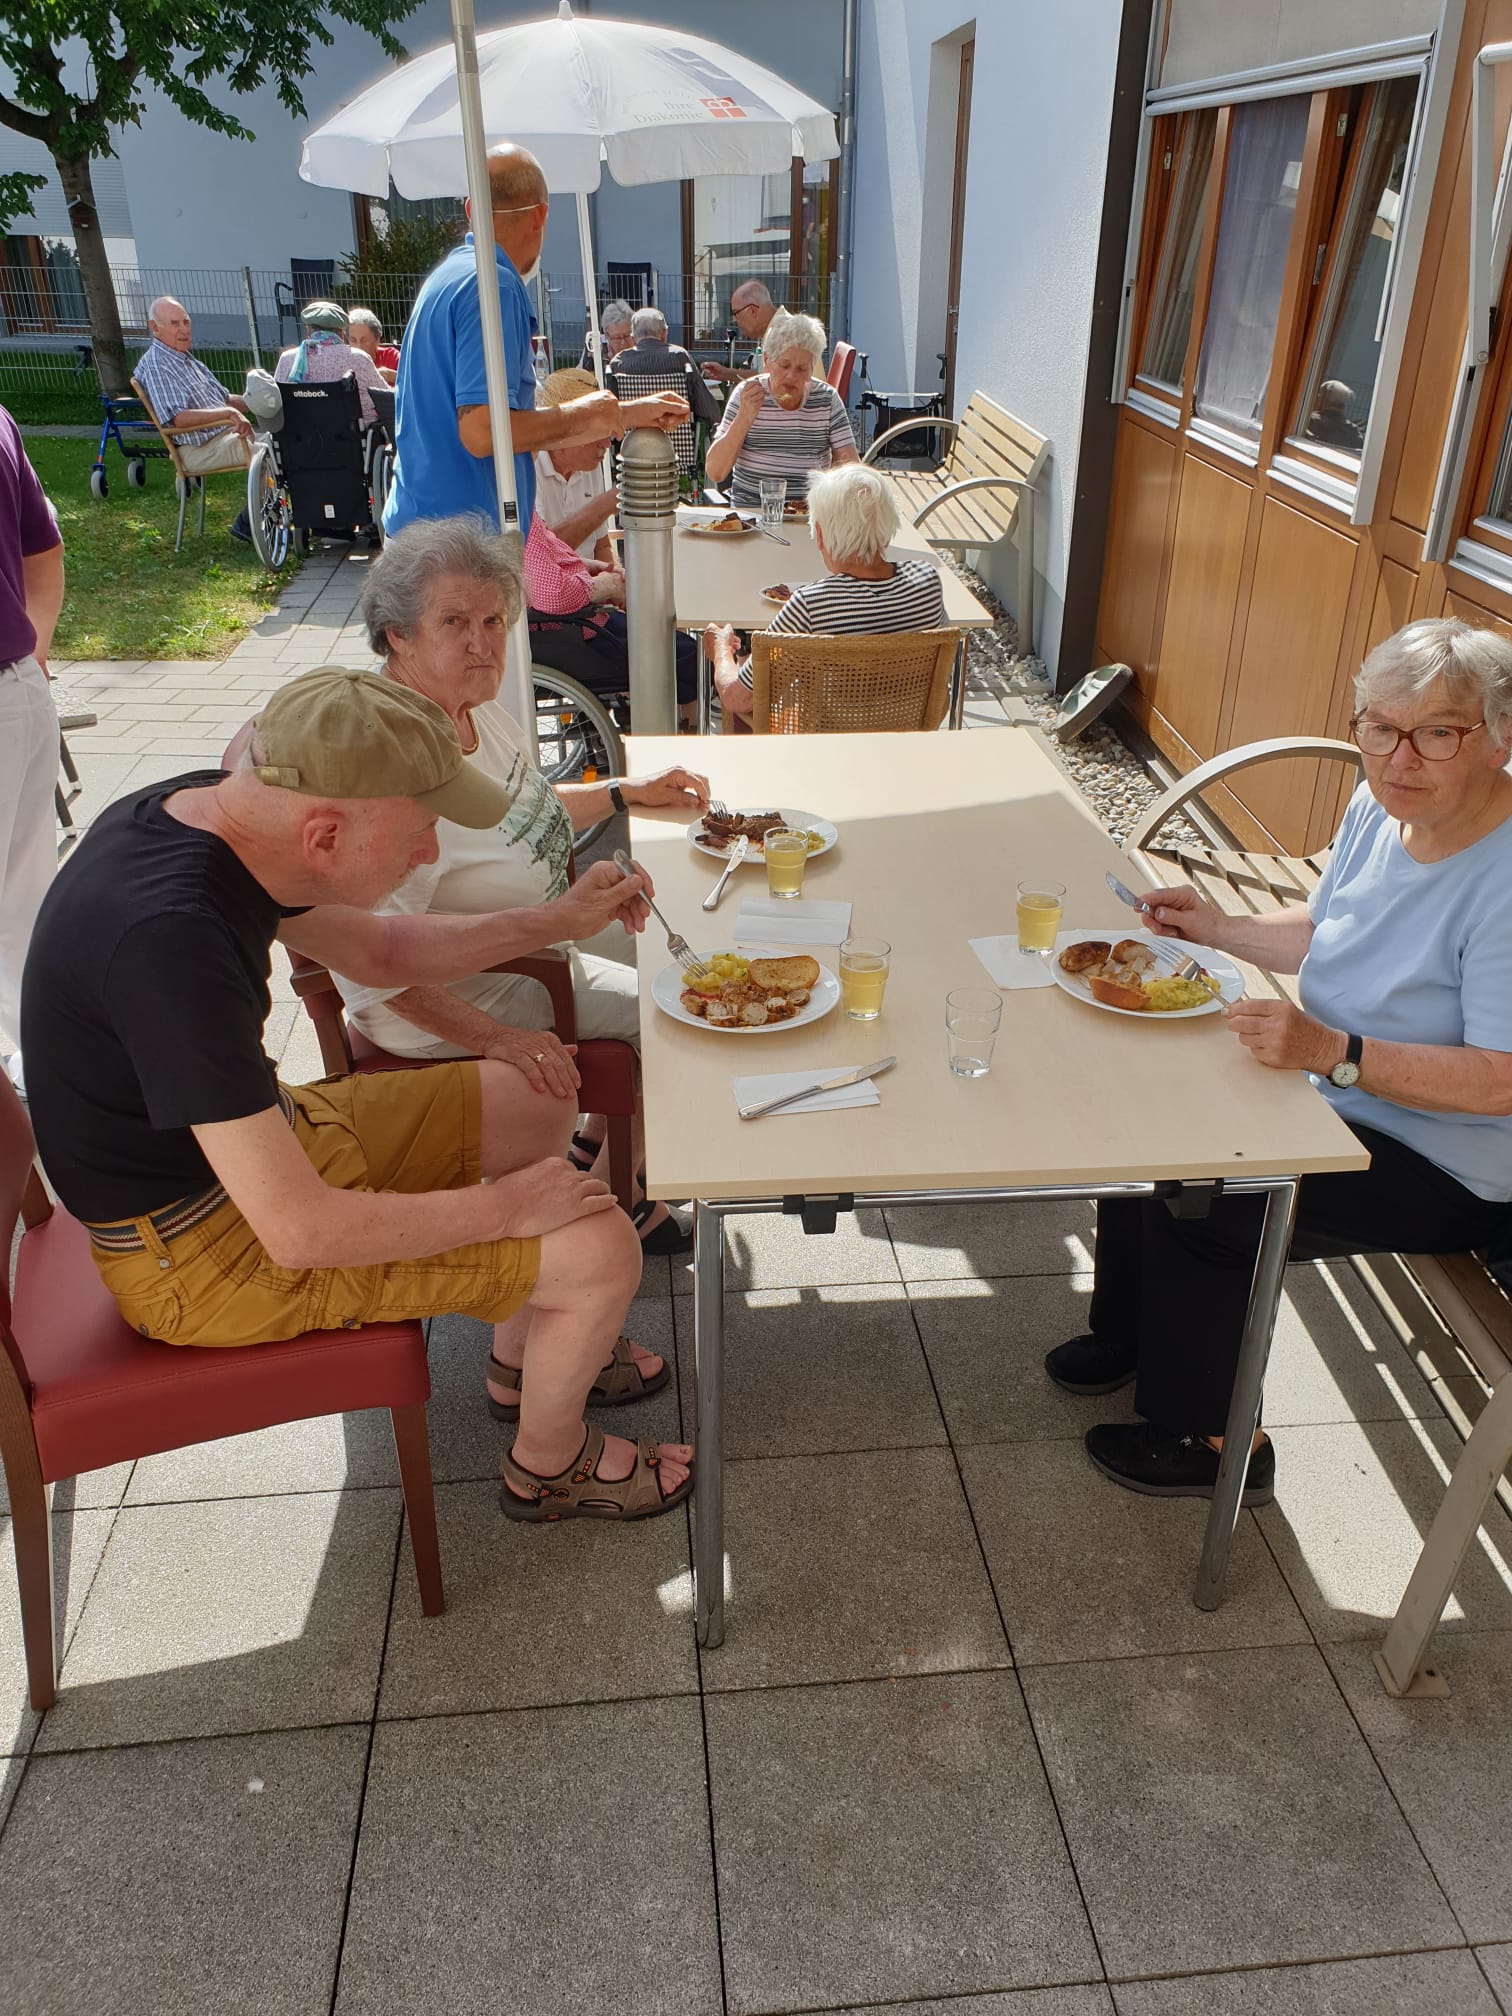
(1085, 953)
(779, 976)
(1114, 994)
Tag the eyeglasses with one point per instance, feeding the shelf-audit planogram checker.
(1436, 742)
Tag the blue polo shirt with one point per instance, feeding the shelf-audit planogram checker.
(440, 371)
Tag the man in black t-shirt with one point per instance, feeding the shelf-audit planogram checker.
(225, 1209)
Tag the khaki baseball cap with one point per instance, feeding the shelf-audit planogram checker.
(342, 734)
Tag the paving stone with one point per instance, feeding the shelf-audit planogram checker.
(851, 1567)
(156, 1879)
(1084, 2001)
(1223, 1811)
(809, 1370)
(1449, 1765)
(331, 1453)
(1084, 1570)
(887, 1840)
(966, 1241)
(1496, 1963)
(1402, 1984)
(476, 1887)
(78, 1542)
(768, 1250)
(251, 1613)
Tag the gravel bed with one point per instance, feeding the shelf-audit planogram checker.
(1116, 783)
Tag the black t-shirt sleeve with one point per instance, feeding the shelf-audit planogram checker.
(177, 992)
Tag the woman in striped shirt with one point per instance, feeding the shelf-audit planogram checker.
(787, 422)
(853, 520)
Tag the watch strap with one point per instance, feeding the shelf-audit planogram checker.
(1354, 1049)
(616, 796)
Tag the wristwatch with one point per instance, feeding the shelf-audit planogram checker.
(616, 796)
(1347, 1071)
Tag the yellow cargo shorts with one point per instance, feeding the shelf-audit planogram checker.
(379, 1130)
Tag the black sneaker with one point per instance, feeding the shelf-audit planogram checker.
(240, 528)
(1162, 1465)
(1087, 1365)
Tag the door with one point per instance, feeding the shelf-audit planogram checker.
(957, 219)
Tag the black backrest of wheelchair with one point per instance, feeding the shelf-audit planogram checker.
(320, 454)
(637, 384)
(383, 406)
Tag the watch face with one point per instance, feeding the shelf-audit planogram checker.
(1344, 1075)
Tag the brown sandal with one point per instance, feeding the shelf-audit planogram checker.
(580, 1493)
(620, 1382)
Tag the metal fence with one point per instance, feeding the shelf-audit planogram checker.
(244, 315)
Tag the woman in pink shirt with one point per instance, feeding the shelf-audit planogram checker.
(576, 624)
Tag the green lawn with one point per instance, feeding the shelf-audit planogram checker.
(129, 594)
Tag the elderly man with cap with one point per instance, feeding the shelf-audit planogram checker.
(325, 355)
(225, 1209)
(571, 495)
(444, 446)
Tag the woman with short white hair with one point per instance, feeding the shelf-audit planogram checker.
(852, 520)
(786, 421)
(1404, 961)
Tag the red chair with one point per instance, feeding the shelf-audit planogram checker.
(79, 1389)
(842, 363)
(605, 1065)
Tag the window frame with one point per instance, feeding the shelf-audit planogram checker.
(1164, 213)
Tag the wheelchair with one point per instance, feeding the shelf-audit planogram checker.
(315, 473)
(577, 738)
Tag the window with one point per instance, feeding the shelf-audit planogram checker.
(1163, 359)
(1263, 169)
(1346, 351)
(741, 230)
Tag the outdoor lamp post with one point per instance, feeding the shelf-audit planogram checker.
(648, 508)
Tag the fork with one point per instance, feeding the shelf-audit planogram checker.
(718, 809)
(1181, 968)
(677, 945)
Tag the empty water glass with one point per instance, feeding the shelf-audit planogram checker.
(773, 501)
(972, 1015)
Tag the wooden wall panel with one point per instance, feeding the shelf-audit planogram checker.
(1392, 607)
(1199, 615)
(1299, 601)
(1472, 612)
(1144, 469)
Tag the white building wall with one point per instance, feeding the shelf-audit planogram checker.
(1041, 103)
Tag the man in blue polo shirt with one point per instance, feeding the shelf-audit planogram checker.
(444, 445)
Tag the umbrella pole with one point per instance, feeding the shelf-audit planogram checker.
(516, 692)
(590, 289)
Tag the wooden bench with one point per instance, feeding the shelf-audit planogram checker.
(1431, 1299)
(983, 493)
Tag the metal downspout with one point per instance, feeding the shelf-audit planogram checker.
(840, 318)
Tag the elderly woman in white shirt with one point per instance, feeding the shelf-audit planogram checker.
(1404, 959)
(438, 603)
(786, 422)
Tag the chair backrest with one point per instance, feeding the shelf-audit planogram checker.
(312, 280)
(320, 453)
(851, 685)
(842, 363)
(325, 1008)
(167, 439)
(635, 384)
(383, 407)
(22, 1194)
(991, 441)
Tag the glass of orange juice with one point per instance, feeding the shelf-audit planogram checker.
(1039, 915)
(863, 977)
(786, 850)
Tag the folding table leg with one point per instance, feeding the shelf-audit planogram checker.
(1249, 1390)
(705, 688)
(708, 1360)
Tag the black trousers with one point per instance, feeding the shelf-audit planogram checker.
(1173, 1293)
(601, 660)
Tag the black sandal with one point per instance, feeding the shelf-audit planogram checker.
(668, 1237)
(583, 1153)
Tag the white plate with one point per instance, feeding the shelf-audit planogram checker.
(1218, 965)
(713, 530)
(667, 987)
(809, 822)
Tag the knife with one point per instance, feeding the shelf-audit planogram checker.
(767, 533)
(1184, 968)
(1125, 894)
(824, 1085)
(736, 855)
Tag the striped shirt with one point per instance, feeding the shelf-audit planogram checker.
(787, 443)
(843, 605)
(174, 381)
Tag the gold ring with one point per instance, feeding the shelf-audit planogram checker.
(539, 1055)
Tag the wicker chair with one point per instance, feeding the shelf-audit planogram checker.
(851, 685)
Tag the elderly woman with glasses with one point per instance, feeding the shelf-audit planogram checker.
(1404, 962)
(438, 603)
(786, 422)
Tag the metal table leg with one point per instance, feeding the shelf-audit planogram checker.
(708, 1358)
(705, 687)
(957, 713)
(1249, 1386)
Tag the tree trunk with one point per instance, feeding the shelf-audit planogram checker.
(94, 270)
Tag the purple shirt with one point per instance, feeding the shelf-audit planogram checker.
(27, 526)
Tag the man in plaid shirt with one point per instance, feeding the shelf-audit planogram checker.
(182, 392)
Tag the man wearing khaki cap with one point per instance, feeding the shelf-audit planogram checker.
(227, 1209)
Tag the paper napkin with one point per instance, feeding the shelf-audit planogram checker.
(772, 1085)
(791, 920)
(1008, 967)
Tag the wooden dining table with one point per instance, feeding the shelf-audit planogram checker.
(719, 578)
(934, 833)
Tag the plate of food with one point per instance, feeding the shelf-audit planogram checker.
(1125, 976)
(796, 510)
(729, 525)
(777, 591)
(716, 837)
(747, 993)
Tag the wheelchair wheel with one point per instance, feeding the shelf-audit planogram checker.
(269, 512)
(383, 479)
(99, 489)
(576, 737)
(136, 472)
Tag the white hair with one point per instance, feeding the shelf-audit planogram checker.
(786, 331)
(397, 587)
(852, 509)
(615, 315)
(1474, 668)
(367, 318)
(648, 322)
